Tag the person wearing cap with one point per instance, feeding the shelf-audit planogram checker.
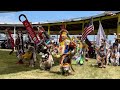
(105, 47)
(101, 57)
(119, 47)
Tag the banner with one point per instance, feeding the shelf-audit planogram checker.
(11, 38)
(30, 30)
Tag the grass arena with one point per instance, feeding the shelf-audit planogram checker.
(40, 56)
(10, 70)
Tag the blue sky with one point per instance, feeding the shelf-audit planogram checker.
(44, 16)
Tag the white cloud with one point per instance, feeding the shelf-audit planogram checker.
(8, 18)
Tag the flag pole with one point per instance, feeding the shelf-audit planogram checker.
(94, 48)
(94, 36)
(93, 33)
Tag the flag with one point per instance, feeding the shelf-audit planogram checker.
(101, 35)
(11, 38)
(29, 29)
(88, 29)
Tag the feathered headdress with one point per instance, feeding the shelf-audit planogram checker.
(63, 32)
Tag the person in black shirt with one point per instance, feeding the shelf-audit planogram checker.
(101, 57)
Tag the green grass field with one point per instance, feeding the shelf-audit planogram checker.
(10, 70)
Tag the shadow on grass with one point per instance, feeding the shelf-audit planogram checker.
(95, 65)
(15, 69)
(9, 64)
(56, 72)
(59, 73)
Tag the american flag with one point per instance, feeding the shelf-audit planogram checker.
(88, 29)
